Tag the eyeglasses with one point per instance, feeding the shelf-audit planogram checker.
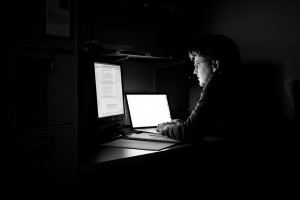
(198, 63)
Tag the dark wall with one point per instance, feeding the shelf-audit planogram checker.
(146, 26)
(267, 35)
(265, 31)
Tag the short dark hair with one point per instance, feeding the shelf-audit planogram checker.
(217, 47)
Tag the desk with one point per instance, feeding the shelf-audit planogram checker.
(103, 157)
(108, 167)
(113, 167)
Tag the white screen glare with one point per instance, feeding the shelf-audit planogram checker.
(148, 110)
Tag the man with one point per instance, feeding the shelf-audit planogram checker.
(216, 60)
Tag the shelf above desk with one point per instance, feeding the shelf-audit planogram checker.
(124, 54)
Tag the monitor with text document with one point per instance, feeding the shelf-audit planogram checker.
(109, 92)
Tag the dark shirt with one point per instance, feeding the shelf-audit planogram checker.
(212, 115)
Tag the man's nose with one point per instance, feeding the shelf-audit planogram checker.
(195, 71)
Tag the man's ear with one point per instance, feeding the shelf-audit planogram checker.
(215, 64)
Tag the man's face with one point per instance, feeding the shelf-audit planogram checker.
(203, 69)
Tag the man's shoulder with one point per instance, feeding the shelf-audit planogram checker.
(216, 82)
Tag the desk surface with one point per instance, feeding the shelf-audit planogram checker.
(104, 156)
(101, 157)
(106, 167)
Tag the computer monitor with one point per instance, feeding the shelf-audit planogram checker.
(109, 92)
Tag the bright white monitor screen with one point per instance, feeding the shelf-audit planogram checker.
(109, 89)
(148, 110)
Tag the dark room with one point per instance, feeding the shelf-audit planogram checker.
(81, 78)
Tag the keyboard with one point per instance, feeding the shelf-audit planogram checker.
(150, 137)
(148, 130)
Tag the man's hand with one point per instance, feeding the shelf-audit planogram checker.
(177, 121)
(163, 126)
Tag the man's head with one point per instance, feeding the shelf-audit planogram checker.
(214, 53)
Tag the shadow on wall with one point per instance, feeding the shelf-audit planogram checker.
(268, 121)
(268, 108)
